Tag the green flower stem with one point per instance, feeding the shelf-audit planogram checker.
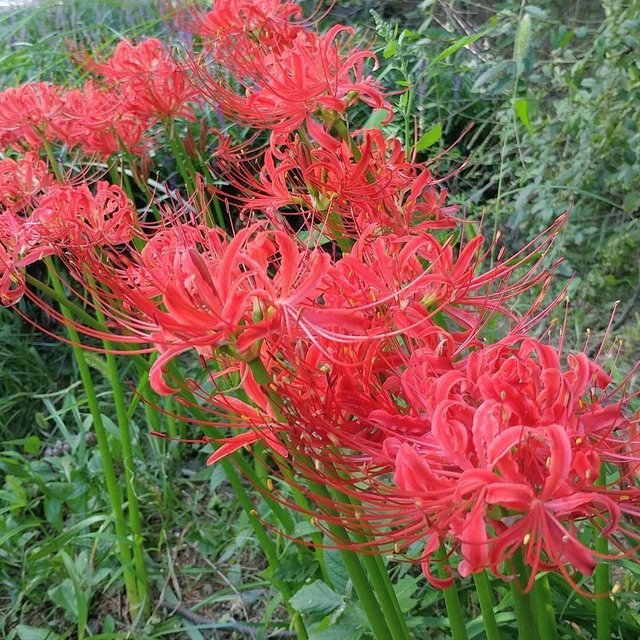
(602, 579)
(366, 595)
(53, 161)
(451, 599)
(179, 154)
(485, 598)
(360, 580)
(128, 463)
(379, 576)
(73, 310)
(546, 617)
(188, 171)
(522, 602)
(267, 545)
(113, 490)
(278, 511)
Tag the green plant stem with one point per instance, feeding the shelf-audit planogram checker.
(128, 463)
(602, 579)
(177, 148)
(111, 483)
(53, 161)
(371, 604)
(522, 602)
(379, 576)
(546, 617)
(451, 600)
(360, 580)
(260, 531)
(485, 598)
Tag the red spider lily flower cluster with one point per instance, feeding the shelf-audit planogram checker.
(137, 87)
(40, 217)
(379, 341)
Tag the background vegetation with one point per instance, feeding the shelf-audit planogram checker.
(530, 109)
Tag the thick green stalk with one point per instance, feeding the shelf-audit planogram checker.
(485, 598)
(452, 600)
(279, 512)
(602, 579)
(546, 617)
(111, 483)
(359, 578)
(265, 542)
(379, 576)
(128, 463)
(522, 602)
(267, 545)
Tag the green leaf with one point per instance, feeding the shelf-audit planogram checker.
(375, 120)
(458, 44)
(315, 599)
(26, 632)
(338, 573)
(65, 597)
(53, 512)
(405, 589)
(32, 445)
(390, 49)
(429, 138)
(350, 625)
(476, 627)
(521, 107)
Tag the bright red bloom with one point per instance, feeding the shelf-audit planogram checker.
(318, 72)
(22, 181)
(245, 28)
(28, 113)
(19, 247)
(78, 219)
(345, 187)
(191, 287)
(150, 81)
(100, 121)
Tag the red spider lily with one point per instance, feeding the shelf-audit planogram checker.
(79, 220)
(18, 248)
(100, 121)
(92, 118)
(285, 88)
(150, 81)
(346, 187)
(190, 287)
(27, 113)
(22, 181)
(512, 439)
(245, 28)
(495, 451)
